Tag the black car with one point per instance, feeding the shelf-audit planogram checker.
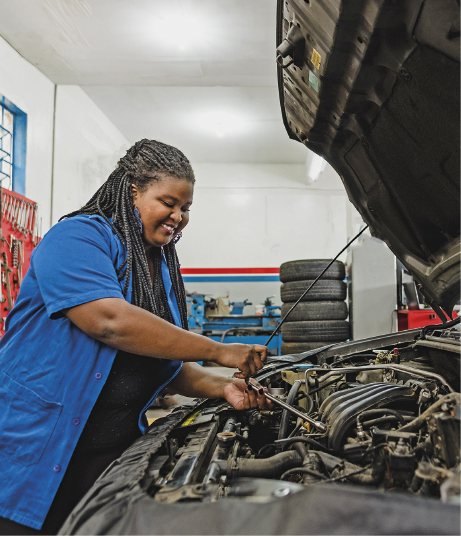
(372, 86)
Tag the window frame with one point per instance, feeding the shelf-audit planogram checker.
(18, 179)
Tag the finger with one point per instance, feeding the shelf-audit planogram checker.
(262, 400)
(240, 384)
(252, 366)
(261, 350)
(254, 382)
(269, 403)
(239, 375)
(245, 370)
(246, 403)
(252, 396)
(257, 360)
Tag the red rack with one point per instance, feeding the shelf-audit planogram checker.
(19, 237)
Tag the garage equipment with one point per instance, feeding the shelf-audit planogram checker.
(19, 235)
(235, 327)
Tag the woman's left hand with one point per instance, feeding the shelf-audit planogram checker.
(242, 396)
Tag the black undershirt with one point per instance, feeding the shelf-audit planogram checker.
(111, 428)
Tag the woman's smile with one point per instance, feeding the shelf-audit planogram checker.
(168, 228)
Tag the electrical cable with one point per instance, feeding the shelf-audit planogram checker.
(313, 283)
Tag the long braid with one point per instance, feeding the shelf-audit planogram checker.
(143, 164)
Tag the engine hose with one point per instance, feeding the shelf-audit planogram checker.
(414, 425)
(381, 411)
(300, 448)
(309, 401)
(381, 420)
(271, 467)
(285, 420)
(313, 391)
(309, 441)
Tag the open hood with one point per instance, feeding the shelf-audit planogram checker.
(372, 86)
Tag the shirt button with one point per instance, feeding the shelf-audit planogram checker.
(76, 422)
(98, 375)
(56, 468)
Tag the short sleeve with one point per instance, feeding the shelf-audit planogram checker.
(73, 265)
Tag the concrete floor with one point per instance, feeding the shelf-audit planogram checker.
(156, 413)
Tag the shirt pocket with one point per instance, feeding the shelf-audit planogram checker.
(26, 421)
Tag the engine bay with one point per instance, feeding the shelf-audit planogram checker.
(392, 421)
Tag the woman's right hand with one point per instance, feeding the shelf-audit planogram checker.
(247, 358)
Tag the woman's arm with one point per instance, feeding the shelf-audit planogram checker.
(198, 382)
(126, 327)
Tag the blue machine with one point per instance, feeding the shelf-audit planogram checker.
(235, 327)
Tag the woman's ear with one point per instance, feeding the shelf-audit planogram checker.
(134, 191)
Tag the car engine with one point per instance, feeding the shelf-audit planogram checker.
(390, 416)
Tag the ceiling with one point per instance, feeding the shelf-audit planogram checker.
(210, 124)
(197, 73)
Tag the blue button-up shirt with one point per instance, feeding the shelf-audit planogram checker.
(51, 372)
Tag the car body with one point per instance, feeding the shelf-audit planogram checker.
(373, 87)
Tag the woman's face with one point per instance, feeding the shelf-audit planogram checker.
(164, 208)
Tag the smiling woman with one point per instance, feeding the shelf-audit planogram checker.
(98, 331)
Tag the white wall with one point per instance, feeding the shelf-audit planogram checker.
(31, 91)
(258, 215)
(87, 148)
(87, 144)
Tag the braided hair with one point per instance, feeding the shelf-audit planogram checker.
(144, 163)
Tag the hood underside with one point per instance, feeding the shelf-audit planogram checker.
(372, 86)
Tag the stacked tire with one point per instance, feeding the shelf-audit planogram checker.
(320, 318)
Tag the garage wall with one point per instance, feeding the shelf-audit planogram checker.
(246, 220)
(31, 91)
(87, 144)
(257, 216)
(87, 148)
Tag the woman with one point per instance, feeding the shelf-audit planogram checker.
(98, 330)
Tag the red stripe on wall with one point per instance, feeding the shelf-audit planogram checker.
(229, 271)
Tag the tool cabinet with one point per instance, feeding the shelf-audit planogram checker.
(19, 236)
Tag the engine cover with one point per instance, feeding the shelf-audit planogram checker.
(340, 409)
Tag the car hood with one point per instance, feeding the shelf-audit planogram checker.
(373, 87)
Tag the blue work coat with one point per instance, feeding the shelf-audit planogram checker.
(51, 372)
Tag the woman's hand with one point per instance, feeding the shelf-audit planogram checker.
(248, 359)
(196, 381)
(242, 396)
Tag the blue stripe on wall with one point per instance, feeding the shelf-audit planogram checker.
(229, 278)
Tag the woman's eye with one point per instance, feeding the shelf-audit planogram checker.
(168, 204)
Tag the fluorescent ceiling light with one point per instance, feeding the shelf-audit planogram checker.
(316, 167)
(179, 31)
(222, 123)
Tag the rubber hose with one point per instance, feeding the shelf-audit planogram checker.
(310, 402)
(271, 467)
(285, 420)
(300, 448)
(317, 389)
(311, 442)
(379, 421)
(381, 411)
